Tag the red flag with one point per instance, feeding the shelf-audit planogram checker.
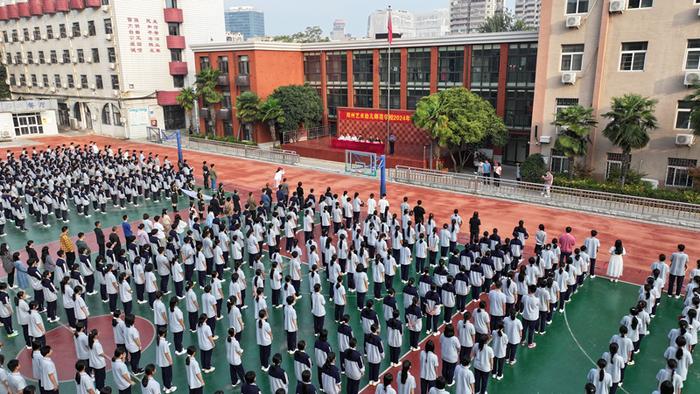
(389, 29)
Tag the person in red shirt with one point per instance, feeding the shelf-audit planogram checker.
(567, 242)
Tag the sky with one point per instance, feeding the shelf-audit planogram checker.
(290, 16)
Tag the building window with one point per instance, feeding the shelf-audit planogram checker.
(49, 32)
(395, 68)
(105, 2)
(363, 67)
(30, 57)
(170, 3)
(95, 55)
(414, 95)
(81, 56)
(57, 80)
(108, 25)
(27, 124)
(312, 67)
(174, 117)
(25, 33)
(84, 81)
(42, 59)
(71, 81)
(677, 172)
(62, 30)
(176, 55)
(418, 66)
(243, 65)
(226, 100)
(576, 6)
(204, 63)
(5, 37)
(8, 58)
(394, 94)
(179, 81)
(336, 97)
(519, 108)
(633, 56)
(45, 80)
(22, 80)
(54, 57)
(66, 56)
(363, 98)
(35, 81)
(223, 64)
(336, 67)
(111, 115)
(174, 29)
(111, 55)
(76, 29)
(115, 82)
(635, 4)
(692, 57)
(13, 80)
(572, 57)
(522, 60)
(683, 115)
(14, 35)
(450, 66)
(559, 164)
(91, 28)
(18, 57)
(613, 165)
(98, 82)
(486, 61)
(37, 33)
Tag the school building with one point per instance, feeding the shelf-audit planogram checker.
(352, 75)
(592, 51)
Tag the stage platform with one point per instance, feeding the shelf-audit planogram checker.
(320, 148)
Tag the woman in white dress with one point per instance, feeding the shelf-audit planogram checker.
(615, 266)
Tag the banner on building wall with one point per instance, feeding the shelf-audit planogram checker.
(375, 115)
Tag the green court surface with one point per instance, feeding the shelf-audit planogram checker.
(558, 364)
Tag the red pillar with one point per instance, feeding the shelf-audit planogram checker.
(403, 89)
(324, 92)
(434, 71)
(350, 78)
(375, 76)
(502, 80)
(467, 67)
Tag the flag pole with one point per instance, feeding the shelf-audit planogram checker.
(390, 34)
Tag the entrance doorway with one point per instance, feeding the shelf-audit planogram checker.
(516, 150)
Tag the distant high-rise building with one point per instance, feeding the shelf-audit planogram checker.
(434, 23)
(528, 11)
(338, 32)
(466, 16)
(245, 20)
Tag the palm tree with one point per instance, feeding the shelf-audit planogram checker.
(206, 88)
(270, 111)
(694, 100)
(247, 110)
(574, 125)
(631, 119)
(186, 99)
(431, 116)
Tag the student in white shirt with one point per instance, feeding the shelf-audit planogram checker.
(428, 367)
(194, 373)
(176, 324)
(49, 376)
(234, 352)
(482, 355)
(164, 360)
(15, 380)
(97, 361)
(132, 343)
(514, 331)
(464, 377)
(148, 384)
(449, 350)
(205, 339)
(84, 383)
(385, 386)
(290, 324)
(407, 383)
(592, 245)
(600, 378)
(264, 339)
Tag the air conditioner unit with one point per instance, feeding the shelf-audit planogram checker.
(20, 39)
(691, 78)
(93, 87)
(18, 83)
(88, 60)
(60, 60)
(3, 60)
(685, 139)
(653, 182)
(616, 6)
(545, 139)
(44, 37)
(78, 87)
(573, 21)
(112, 66)
(85, 34)
(568, 78)
(108, 37)
(115, 92)
(105, 8)
(52, 89)
(65, 86)
(25, 61)
(70, 35)
(74, 59)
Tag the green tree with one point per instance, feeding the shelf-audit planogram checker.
(502, 21)
(247, 110)
(270, 111)
(575, 125)
(460, 122)
(206, 82)
(4, 89)
(694, 100)
(631, 119)
(301, 105)
(533, 168)
(310, 34)
(186, 98)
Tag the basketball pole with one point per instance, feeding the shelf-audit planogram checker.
(179, 147)
(382, 175)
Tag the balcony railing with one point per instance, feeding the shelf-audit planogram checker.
(243, 80)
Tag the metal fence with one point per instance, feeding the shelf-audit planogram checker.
(296, 135)
(661, 211)
(240, 150)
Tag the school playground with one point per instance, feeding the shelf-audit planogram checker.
(558, 364)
